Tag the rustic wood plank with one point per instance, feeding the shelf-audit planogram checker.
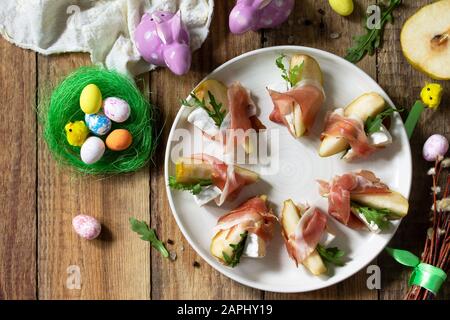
(116, 266)
(179, 279)
(18, 177)
(312, 24)
(403, 84)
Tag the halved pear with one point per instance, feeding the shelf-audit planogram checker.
(394, 202)
(311, 68)
(290, 217)
(363, 107)
(191, 171)
(425, 40)
(221, 241)
(217, 89)
(311, 71)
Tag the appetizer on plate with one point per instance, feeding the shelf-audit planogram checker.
(360, 200)
(297, 103)
(245, 231)
(222, 112)
(357, 129)
(307, 236)
(209, 178)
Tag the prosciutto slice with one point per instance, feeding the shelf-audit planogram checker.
(340, 189)
(307, 235)
(253, 216)
(308, 95)
(224, 177)
(352, 130)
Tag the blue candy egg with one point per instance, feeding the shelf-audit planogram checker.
(98, 123)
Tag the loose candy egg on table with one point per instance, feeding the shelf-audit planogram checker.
(92, 150)
(119, 139)
(86, 226)
(342, 7)
(98, 123)
(116, 109)
(90, 99)
(76, 133)
(435, 146)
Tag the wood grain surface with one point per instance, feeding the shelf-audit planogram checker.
(39, 250)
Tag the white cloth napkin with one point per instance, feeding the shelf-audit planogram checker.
(104, 28)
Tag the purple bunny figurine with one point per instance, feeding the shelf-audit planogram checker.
(259, 14)
(163, 40)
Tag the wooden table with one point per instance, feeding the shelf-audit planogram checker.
(38, 199)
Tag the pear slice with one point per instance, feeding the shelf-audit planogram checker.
(394, 202)
(311, 71)
(191, 171)
(290, 217)
(363, 107)
(425, 40)
(221, 241)
(217, 89)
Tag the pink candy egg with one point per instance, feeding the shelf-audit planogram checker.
(116, 109)
(86, 226)
(436, 145)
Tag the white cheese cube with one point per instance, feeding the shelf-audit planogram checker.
(371, 225)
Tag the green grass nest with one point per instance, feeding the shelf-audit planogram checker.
(63, 106)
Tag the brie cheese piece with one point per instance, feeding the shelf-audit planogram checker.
(255, 247)
(327, 238)
(208, 194)
(201, 119)
(380, 138)
(371, 225)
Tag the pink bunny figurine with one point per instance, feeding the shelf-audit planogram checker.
(163, 40)
(259, 14)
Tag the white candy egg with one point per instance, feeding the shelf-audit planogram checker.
(116, 109)
(86, 226)
(436, 145)
(92, 150)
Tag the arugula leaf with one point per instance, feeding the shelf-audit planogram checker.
(377, 216)
(194, 188)
(292, 76)
(148, 234)
(238, 249)
(373, 124)
(216, 113)
(331, 255)
(369, 42)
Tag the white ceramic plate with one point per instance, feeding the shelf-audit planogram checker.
(299, 167)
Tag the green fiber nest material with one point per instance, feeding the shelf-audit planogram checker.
(64, 106)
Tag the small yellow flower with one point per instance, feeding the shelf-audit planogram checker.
(431, 95)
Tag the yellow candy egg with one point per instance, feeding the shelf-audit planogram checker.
(76, 133)
(119, 139)
(431, 95)
(342, 7)
(90, 99)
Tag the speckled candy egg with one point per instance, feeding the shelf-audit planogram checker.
(436, 145)
(98, 123)
(116, 109)
(90, 99)
(92, 150)
(119, 139)
(86, 226)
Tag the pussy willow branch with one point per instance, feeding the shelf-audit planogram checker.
(437, 244)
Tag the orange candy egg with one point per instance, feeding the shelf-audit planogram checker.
(119, 139)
